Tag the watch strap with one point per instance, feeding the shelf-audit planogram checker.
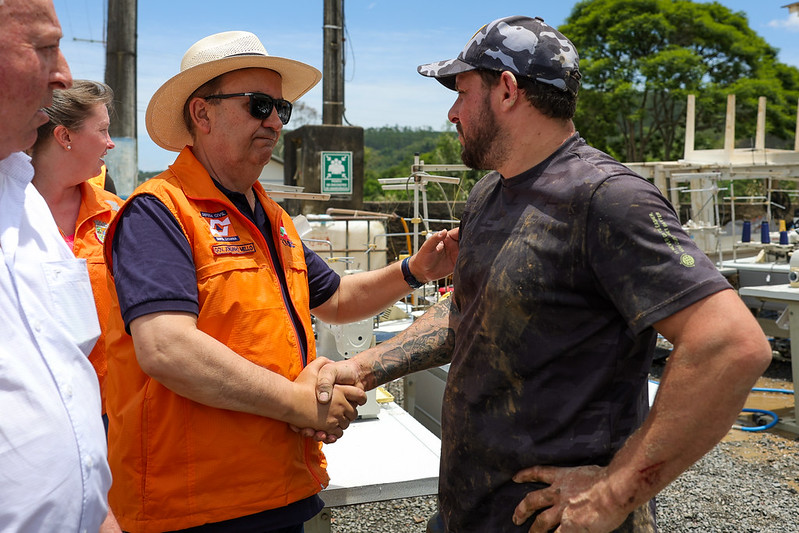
(410, 279)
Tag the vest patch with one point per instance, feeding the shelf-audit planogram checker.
(220, 225)
(233, 249)
(99, 230)
(284, 237)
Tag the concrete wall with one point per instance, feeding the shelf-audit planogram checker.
(303, 168)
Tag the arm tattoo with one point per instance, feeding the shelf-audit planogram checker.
(427, 343)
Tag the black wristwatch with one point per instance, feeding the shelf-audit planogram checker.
(409, 278)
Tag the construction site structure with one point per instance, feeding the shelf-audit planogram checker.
(700, 173)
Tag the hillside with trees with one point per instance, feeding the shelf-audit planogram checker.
(389, 153)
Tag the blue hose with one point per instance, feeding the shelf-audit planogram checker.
(772, 423)
(772, 414)
(774, 417)
(764, 389)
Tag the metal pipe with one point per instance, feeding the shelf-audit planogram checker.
(321, 241)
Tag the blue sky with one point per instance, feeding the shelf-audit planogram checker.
(386, 40)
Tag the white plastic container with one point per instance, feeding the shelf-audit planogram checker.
(347, 244)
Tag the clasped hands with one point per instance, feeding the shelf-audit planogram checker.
(339, 387)
(335, 400)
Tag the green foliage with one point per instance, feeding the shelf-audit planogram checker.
(389, 153)
(448, 151)
(394, 146)
(641, 58)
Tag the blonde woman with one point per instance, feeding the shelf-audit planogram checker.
(69, 152)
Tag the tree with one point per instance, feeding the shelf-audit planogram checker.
(641, 58)
(390, 154)
(448, 152)
(301, 115)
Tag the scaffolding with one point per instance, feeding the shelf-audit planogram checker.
(705, 170)
(418, 180)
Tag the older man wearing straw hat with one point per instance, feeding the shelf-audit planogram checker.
(216, 291)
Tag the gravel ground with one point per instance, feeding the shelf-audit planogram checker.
(748, 483)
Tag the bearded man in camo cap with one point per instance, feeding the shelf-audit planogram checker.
(570, 265)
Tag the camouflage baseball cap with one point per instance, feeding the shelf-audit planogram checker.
(525, 46)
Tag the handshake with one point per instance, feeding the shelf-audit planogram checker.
(327, 394)
(327, 398)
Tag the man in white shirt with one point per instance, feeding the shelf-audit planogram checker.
(53, 470)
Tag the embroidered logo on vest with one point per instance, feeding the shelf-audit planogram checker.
(284, 237)
(99, 230)
(220, 226)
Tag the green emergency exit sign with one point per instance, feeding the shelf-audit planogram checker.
(337, 172)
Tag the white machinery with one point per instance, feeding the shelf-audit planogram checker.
(424, 395)
(342, 341)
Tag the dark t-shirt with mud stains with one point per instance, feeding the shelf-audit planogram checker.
(561, 274)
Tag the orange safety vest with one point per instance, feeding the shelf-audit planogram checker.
(97, 208)
(177, 463)
(99, 179)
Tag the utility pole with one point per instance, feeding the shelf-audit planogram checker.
(327, 158)
(120, 75)
(333, 75)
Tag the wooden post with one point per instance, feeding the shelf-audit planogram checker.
(760, 134)
(729, 129)
(120, 74)
(333, 68)
(690, 126)
(796, 135)
(120, 65)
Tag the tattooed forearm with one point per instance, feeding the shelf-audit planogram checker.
(427, 343)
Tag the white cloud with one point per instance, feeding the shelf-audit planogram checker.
(791, 23)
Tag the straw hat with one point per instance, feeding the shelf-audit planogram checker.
(207, 59)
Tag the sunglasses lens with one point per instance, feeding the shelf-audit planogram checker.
(261, 107)
(283, 110)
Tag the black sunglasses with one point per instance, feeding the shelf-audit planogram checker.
(261, 105)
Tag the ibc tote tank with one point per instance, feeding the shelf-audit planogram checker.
(349, 239)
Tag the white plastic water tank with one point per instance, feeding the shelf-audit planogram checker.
(353, 244)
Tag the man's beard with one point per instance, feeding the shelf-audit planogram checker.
(487, 148)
